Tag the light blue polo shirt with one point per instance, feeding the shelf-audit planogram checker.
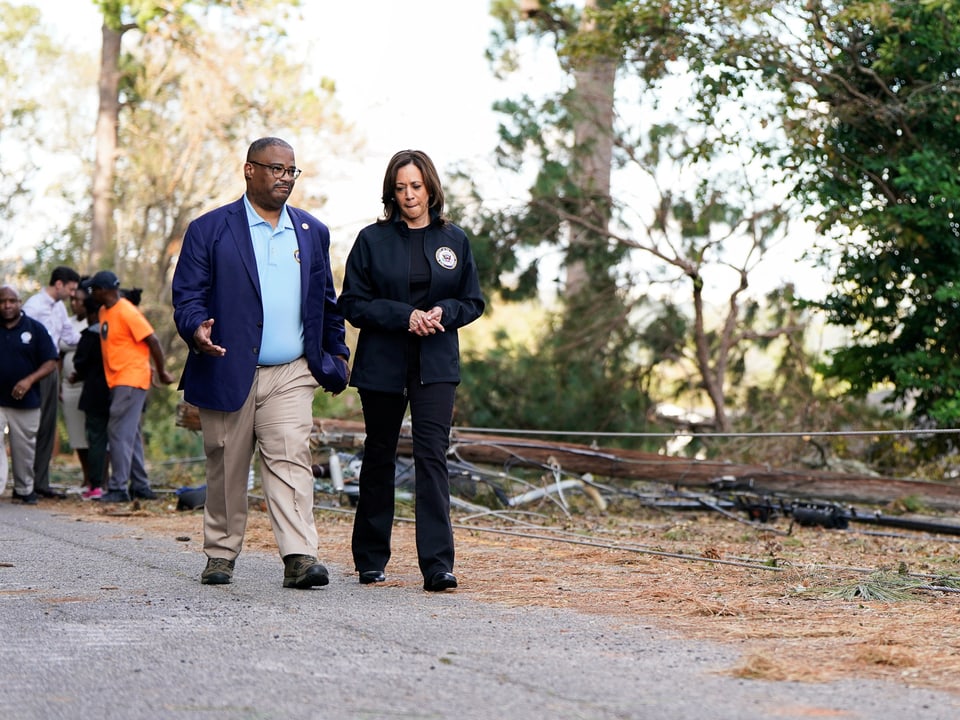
(278, 265)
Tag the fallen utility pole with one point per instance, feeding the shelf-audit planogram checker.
(578, 459)
(833, 516)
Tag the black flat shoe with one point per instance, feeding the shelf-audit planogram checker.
(52, 494)
(440, 581)
(371, 576)
(28, 499)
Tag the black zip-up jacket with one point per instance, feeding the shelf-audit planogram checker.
(376, 300)
(88, 363)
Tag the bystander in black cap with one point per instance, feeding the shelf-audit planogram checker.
(105, 279)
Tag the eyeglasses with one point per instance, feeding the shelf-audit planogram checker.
(279, 171)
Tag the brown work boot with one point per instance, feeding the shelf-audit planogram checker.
(219, 571)
(303, 571)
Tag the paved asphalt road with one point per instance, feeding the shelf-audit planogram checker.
(99, 621)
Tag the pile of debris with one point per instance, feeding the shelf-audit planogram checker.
(760, 492)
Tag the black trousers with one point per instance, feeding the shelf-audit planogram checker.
(431, 413)
(47, 433)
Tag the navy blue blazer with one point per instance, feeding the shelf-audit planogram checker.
(216, 277)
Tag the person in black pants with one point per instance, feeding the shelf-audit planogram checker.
(48, 307)
(410, 283)
(94, 399)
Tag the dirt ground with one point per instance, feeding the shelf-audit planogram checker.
(797, 605)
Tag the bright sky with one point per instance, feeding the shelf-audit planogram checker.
(377, 52)
(411, 75)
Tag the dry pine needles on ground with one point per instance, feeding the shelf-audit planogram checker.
(788, 602)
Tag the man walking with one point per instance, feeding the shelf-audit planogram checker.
(254, 300)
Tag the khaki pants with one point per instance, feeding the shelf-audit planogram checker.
(22, 426)
(277, 420)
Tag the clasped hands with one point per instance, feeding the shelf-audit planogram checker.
(426, 322)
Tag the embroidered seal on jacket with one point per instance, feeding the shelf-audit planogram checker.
(446, 258)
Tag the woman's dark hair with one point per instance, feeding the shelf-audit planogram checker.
(430, 178)
(134, 295)
(90, 305)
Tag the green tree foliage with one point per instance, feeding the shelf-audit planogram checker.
(884, 163)
(693, 207)
(177, 160)
(584, 359)
(175, 24)
(515, 387)
(25, 50)
(196, 80)
(196, 88)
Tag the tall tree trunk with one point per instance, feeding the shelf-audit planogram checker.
(108, 118)
(713, 375)
(593, 134)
